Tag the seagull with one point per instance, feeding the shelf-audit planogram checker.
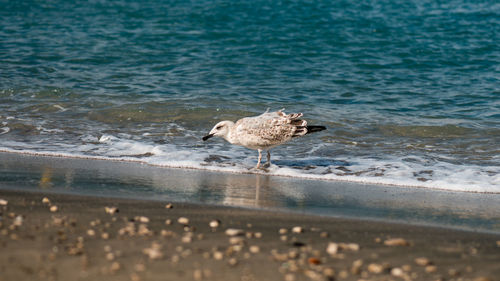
(263, 132)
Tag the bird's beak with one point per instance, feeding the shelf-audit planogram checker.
(207, 137)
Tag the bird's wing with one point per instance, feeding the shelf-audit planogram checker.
(269, 129)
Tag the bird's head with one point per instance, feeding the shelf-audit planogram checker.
(221, 129)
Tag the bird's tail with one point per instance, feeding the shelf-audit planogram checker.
(304, 130)
(314, 129)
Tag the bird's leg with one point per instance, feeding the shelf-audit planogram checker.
(268, 163)
(260, 158)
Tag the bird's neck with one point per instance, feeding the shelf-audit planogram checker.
(230, 136)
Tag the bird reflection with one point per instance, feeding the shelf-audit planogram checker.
(248, 191)
(46, 178)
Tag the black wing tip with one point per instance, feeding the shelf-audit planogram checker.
(313, 129)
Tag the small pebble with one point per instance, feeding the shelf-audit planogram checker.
(329, 273)
(235, 248)
(257, 234)
(297, 229)
(313, 275)
(234, 232)
(299, 244)
(293, 254)
(430, 269)
(18, 221)
(314, 261)
(45, 200)
(111, 210)
(144, 230)
(397, 272)
(406, 267)
(186, 239)
(154, 252)
(168, 221)
(254, 249)
(375, 268)
(110, 256)
(53, 208)
(186, 253)
(236, 240)
(214, 223)
(473, 251)
(422, 261)
(183, 220)
(324, 234)
(197, 275)
(3, 202)
(498, 243)
(188, 228)
(166, 233)
(232, 261)
(343, 274)
(115, 266)
(396, 242)
(356, 267)
(218, 255)
(142, 219)
(283, 231)
(332, 248)
(169, 206)
(105, 235)
(91, 232)
(350, 246)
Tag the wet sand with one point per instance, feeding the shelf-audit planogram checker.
(464, 210)
(72, 237)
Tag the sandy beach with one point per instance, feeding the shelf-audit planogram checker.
(53, 236)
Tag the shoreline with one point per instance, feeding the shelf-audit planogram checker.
(472, 211)
(68, 237)
(311, 177)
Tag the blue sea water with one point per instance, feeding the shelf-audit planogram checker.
(409, 90)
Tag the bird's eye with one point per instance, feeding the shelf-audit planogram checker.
(218, 127)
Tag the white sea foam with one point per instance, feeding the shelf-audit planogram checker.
(61, 109)
(417, 173)
(4, 130)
